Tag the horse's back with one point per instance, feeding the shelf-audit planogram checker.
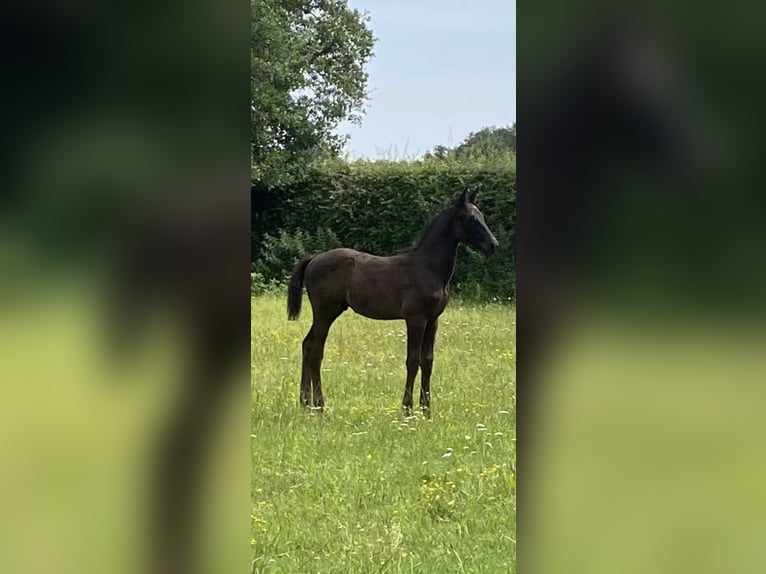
(340, 259)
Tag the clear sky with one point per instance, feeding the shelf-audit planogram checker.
(442, 69)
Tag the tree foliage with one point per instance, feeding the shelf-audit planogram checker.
(486, 143)
(307, 75)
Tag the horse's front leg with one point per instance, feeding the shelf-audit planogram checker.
(415, 331)
(426, 365)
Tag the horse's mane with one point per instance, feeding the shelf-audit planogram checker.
(426, 230)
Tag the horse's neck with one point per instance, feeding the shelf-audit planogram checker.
(439, 248)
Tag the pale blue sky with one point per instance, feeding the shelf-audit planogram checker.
(442, 69)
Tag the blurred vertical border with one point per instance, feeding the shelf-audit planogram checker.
(640, 287)
(124, 297)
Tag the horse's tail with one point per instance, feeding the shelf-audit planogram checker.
(295, 289)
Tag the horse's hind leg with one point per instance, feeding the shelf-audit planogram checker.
(323, 319)
(308, 343)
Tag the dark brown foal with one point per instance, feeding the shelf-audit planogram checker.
(413, 285)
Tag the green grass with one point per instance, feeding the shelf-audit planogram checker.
(361, 488)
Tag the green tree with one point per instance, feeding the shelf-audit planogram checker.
(307, 75)
(487, 142)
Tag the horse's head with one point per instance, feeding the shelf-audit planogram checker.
(470, 227)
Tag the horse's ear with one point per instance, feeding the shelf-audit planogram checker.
(474, 194)
(462, 199)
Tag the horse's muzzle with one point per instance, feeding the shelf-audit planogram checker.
(489, 247)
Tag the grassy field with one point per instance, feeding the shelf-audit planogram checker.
(361, 488)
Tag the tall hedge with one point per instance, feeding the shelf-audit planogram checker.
(382, 207)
